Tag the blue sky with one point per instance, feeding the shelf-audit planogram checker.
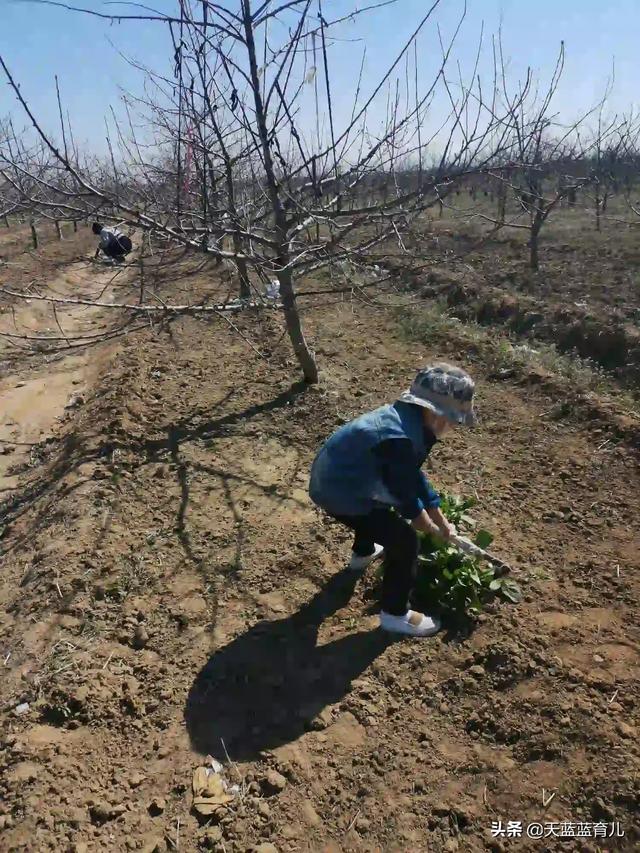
(38, 42)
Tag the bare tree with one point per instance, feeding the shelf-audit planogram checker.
(610, 143)
(548, 156)
(251, 163)
(617, 168)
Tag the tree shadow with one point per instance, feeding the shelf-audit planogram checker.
(69, 453)
(186, 430)
(73, 450)
(262, 689)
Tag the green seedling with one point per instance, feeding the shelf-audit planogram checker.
(454, 582)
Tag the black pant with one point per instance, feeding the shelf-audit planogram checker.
(400, 543)
(114, 251)
(118, 247)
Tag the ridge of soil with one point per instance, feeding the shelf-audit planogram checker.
(584, 300)
(169, 593)
(610, 341)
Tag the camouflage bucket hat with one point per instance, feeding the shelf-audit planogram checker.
(446, 391)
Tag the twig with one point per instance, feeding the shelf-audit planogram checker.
(140, 300)
(55, 314)
(244, 337)
(64, 668)
(350, 827)
(232, 763)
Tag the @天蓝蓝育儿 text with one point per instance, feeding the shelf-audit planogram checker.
(555, 829)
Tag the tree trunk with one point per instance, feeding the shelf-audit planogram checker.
(58, 230)
(243, 274)
(6, 222)
(292, 319)
(533, 246)
(598, 206)
(502, 204)
(294, 328)
(34, 234)
(236, 239)
(75, 226)
(238, 248)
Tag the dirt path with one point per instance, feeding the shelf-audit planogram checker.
(171, 594)
(17, 240)
(37, 390)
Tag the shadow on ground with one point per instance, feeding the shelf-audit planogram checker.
(262, 689)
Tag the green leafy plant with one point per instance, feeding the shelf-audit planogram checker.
(455, 508)
(454, 582)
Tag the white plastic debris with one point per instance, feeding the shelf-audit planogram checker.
(272, 290)
(21, 710)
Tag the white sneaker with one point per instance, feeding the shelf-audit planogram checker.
(413, 624)
(359, 564)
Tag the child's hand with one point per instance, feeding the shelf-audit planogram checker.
(445, 528)
(433, 522)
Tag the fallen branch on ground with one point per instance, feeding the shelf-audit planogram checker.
(142, 309)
